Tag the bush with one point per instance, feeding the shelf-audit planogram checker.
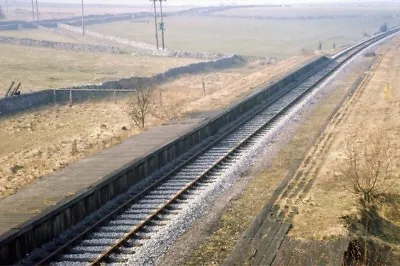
(368, 167)
(384, 28)
(141, 107)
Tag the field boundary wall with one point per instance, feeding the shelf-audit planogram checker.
(14, 104)
(77, 47)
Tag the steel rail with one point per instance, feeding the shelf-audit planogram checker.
(202, 176)
(176, 169)
(181, 193)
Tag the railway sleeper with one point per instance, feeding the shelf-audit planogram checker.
(138, 212)
(144, 206)
(143, 235)
(127, 250)
(86, 249)
(128, 222)
(116, 229)
(133, 242)
(173, 207)
(185, 179)
(84, 257)
(206, 181)
(107, 235)
(117, 258)
(149, 200)
(164, 192)
(136, 218)
(96, 242)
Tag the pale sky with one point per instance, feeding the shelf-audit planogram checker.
(214, 2)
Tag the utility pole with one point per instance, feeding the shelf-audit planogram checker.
(37, 11)
(162, 26)
(155, 20)
(33, 11)
(83, 21)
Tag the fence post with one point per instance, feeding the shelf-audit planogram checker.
(70, 97)
(9, 89)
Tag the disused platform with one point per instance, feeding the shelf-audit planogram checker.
(86, 186)
(75, 178)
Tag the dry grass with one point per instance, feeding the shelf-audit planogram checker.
(249, 36)
(222, 87)
(39, 68)
(65, 37)
(380, 10)
(43, 141)
(370, 113)
(40, 142)
(38, 34)
(243, 210)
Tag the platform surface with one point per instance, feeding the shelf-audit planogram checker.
(49, 190)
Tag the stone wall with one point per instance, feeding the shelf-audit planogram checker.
(60, 45)
(15, 104)
(147, 48)
(144, 48)
(146, 82)
(106, 89)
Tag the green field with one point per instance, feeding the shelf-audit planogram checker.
(280, 38)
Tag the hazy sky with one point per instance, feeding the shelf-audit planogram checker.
(212, 2)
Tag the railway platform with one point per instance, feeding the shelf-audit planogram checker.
(60, 186)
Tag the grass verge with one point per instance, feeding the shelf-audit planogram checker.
(244, 209)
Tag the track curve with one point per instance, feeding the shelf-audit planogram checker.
(123, 230)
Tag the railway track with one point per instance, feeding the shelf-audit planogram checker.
(121, 231)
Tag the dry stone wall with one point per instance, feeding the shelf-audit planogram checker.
(147, 48)
(144, 48)
(15, 104)
(114, 88)
(60, 45)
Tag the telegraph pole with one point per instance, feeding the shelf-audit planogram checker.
(33, 11)
(162, 27)
(83, 21)
(155, 20)
(37, 11)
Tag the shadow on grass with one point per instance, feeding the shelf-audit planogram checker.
(375, 234)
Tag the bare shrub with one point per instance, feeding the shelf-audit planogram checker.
(140, 107)
(320, 46)
(368, 167)
(384, 27)
(367, 171)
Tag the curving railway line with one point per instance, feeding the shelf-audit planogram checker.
(120, 230)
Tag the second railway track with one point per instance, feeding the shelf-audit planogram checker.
(120, 231)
